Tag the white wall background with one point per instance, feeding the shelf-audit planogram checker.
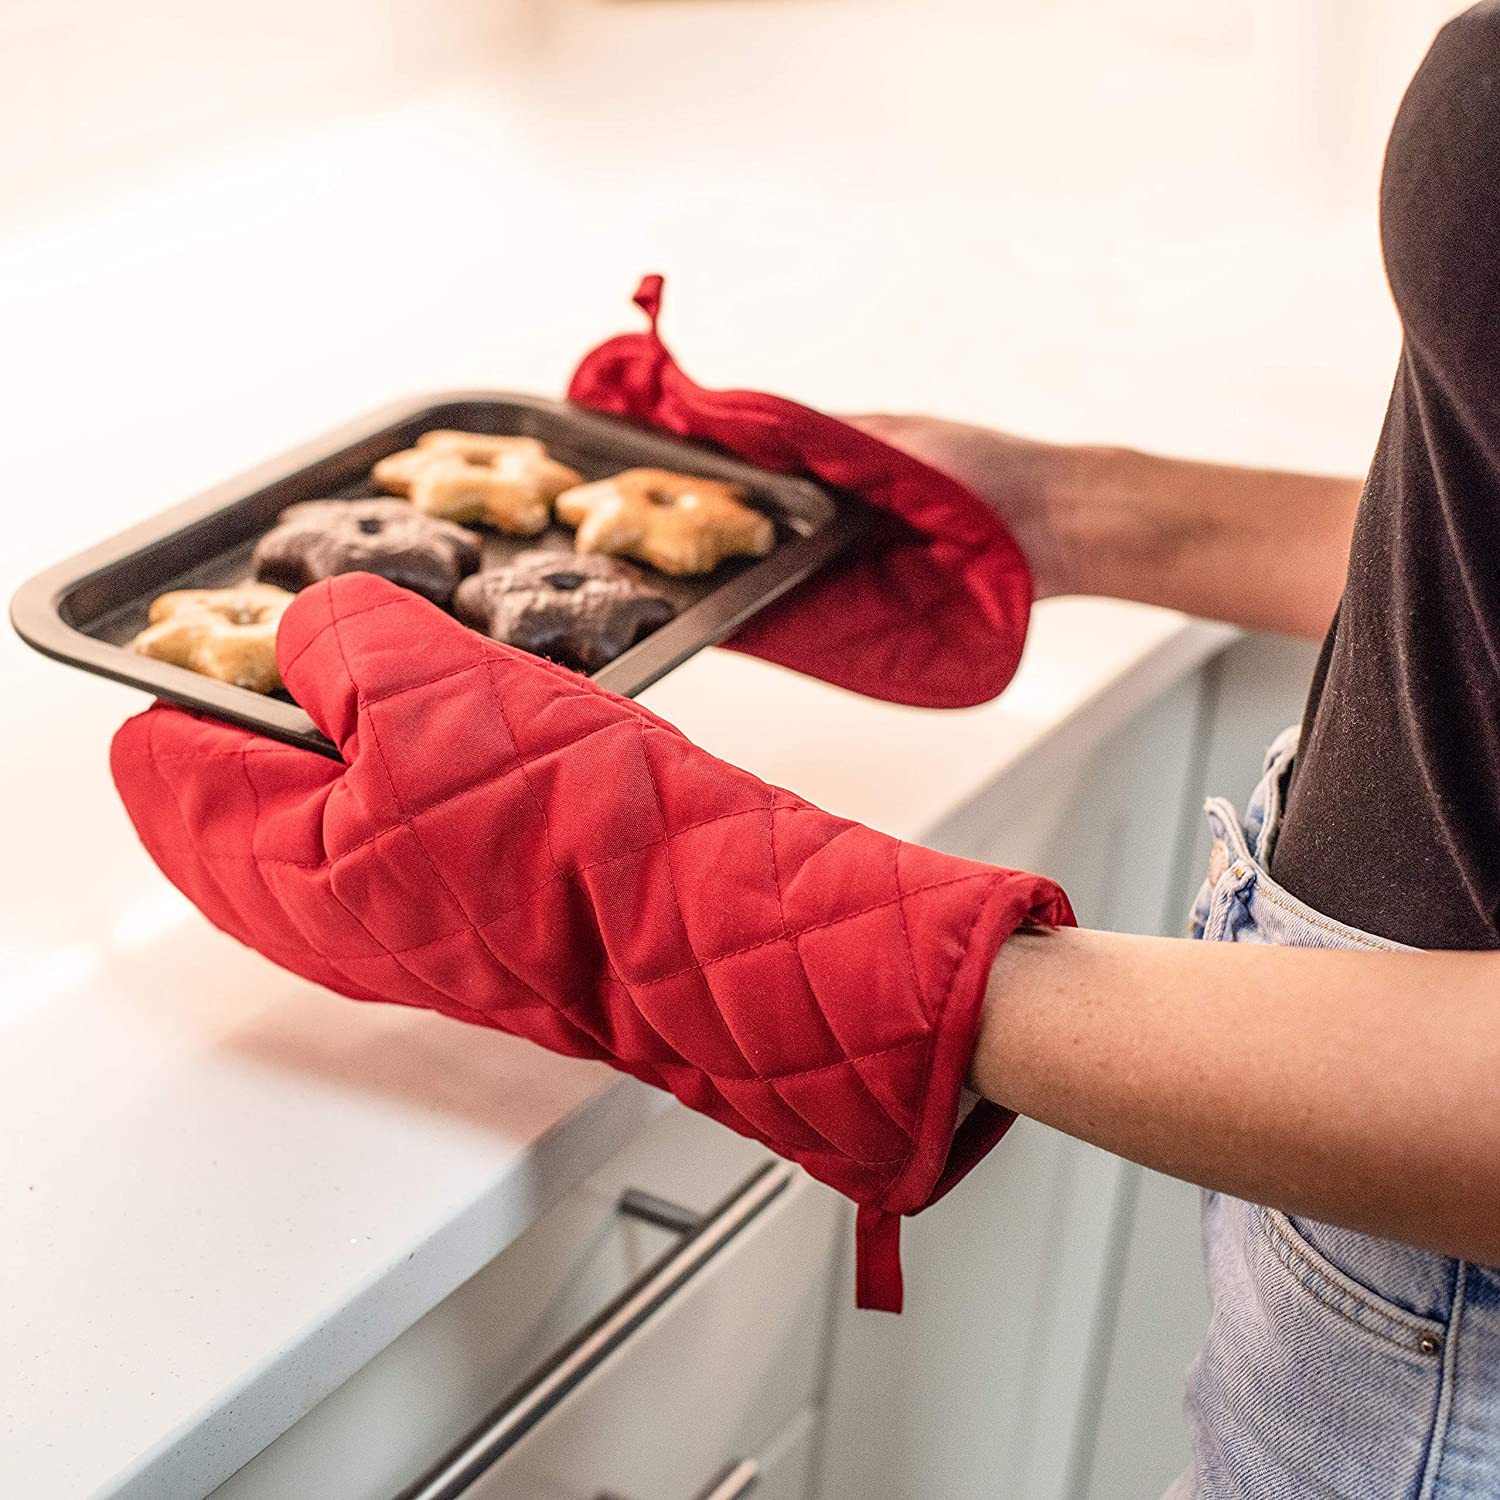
(1035, 213)
(1145, 220)
(96, 89)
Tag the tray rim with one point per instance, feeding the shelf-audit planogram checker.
(36, 607)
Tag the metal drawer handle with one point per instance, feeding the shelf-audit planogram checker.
(635, 1203)
(572, 1364)
(737, 1482)
(733, 1484)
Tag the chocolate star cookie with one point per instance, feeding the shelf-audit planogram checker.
(319, 538)
(580, 611)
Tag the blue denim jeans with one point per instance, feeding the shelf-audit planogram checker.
(1335, 1365)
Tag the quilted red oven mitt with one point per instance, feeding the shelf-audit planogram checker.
(929, 609)
(512, 846)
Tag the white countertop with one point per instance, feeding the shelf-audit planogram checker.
(224, 1189)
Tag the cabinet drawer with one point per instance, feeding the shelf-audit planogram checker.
(783, 1472)
(786, 1472)
(416, 1399)
(716, 1370)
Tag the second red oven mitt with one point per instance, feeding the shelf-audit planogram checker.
(509, 844)
(929, 608)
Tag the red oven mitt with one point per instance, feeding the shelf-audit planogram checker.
(509, 844)
(928, 609)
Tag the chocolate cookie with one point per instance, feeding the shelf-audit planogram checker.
(319, 538)
(580, 611)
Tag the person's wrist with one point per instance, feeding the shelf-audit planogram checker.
(1071, 486)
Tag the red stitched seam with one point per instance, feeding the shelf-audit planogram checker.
(455, 796)
(468, 791)
(801, 932)
(592, 1041)
(796, 947)
(831, 1152)
(390, 780)
(911, 957)
(489, 921)
(330, 964)
(427, 682)
(848, 1058)
(776, 872)
(234, 911)
(834, 1151)
(525, 762)
(239, 750)
(687, 937)
(300, 864)
(698, 964)
(354, 614)
(678, 1060)
(935, 1028)
(719, 958)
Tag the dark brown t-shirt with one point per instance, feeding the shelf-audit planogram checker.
(1393, 818)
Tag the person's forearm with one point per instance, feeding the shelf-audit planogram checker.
(1361, 1089)
(1255, 547)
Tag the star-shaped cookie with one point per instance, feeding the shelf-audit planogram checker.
(473, 477)
(580, 611)
(225, 633)
(675, 522)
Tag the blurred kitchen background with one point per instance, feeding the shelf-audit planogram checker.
(1143, 220)
(226, 226)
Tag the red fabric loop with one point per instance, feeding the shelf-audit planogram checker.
(929, 609)
(878, 1282)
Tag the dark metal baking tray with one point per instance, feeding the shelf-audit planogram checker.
(86, 610)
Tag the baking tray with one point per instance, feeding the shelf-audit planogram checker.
(85, 611)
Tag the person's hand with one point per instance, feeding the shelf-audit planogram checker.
(1019, 478)
(508, 844)
(1111, 521)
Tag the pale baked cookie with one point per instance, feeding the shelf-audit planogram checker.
(673, 521)
(395, 473)
(225, 633)
(505, 482)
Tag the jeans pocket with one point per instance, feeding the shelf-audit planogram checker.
(1308, 1383)
(1370, 1304)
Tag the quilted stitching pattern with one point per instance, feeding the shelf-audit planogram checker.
(930, 610)
(511, 846)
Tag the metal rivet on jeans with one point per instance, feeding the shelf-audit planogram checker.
(1429, 1343)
